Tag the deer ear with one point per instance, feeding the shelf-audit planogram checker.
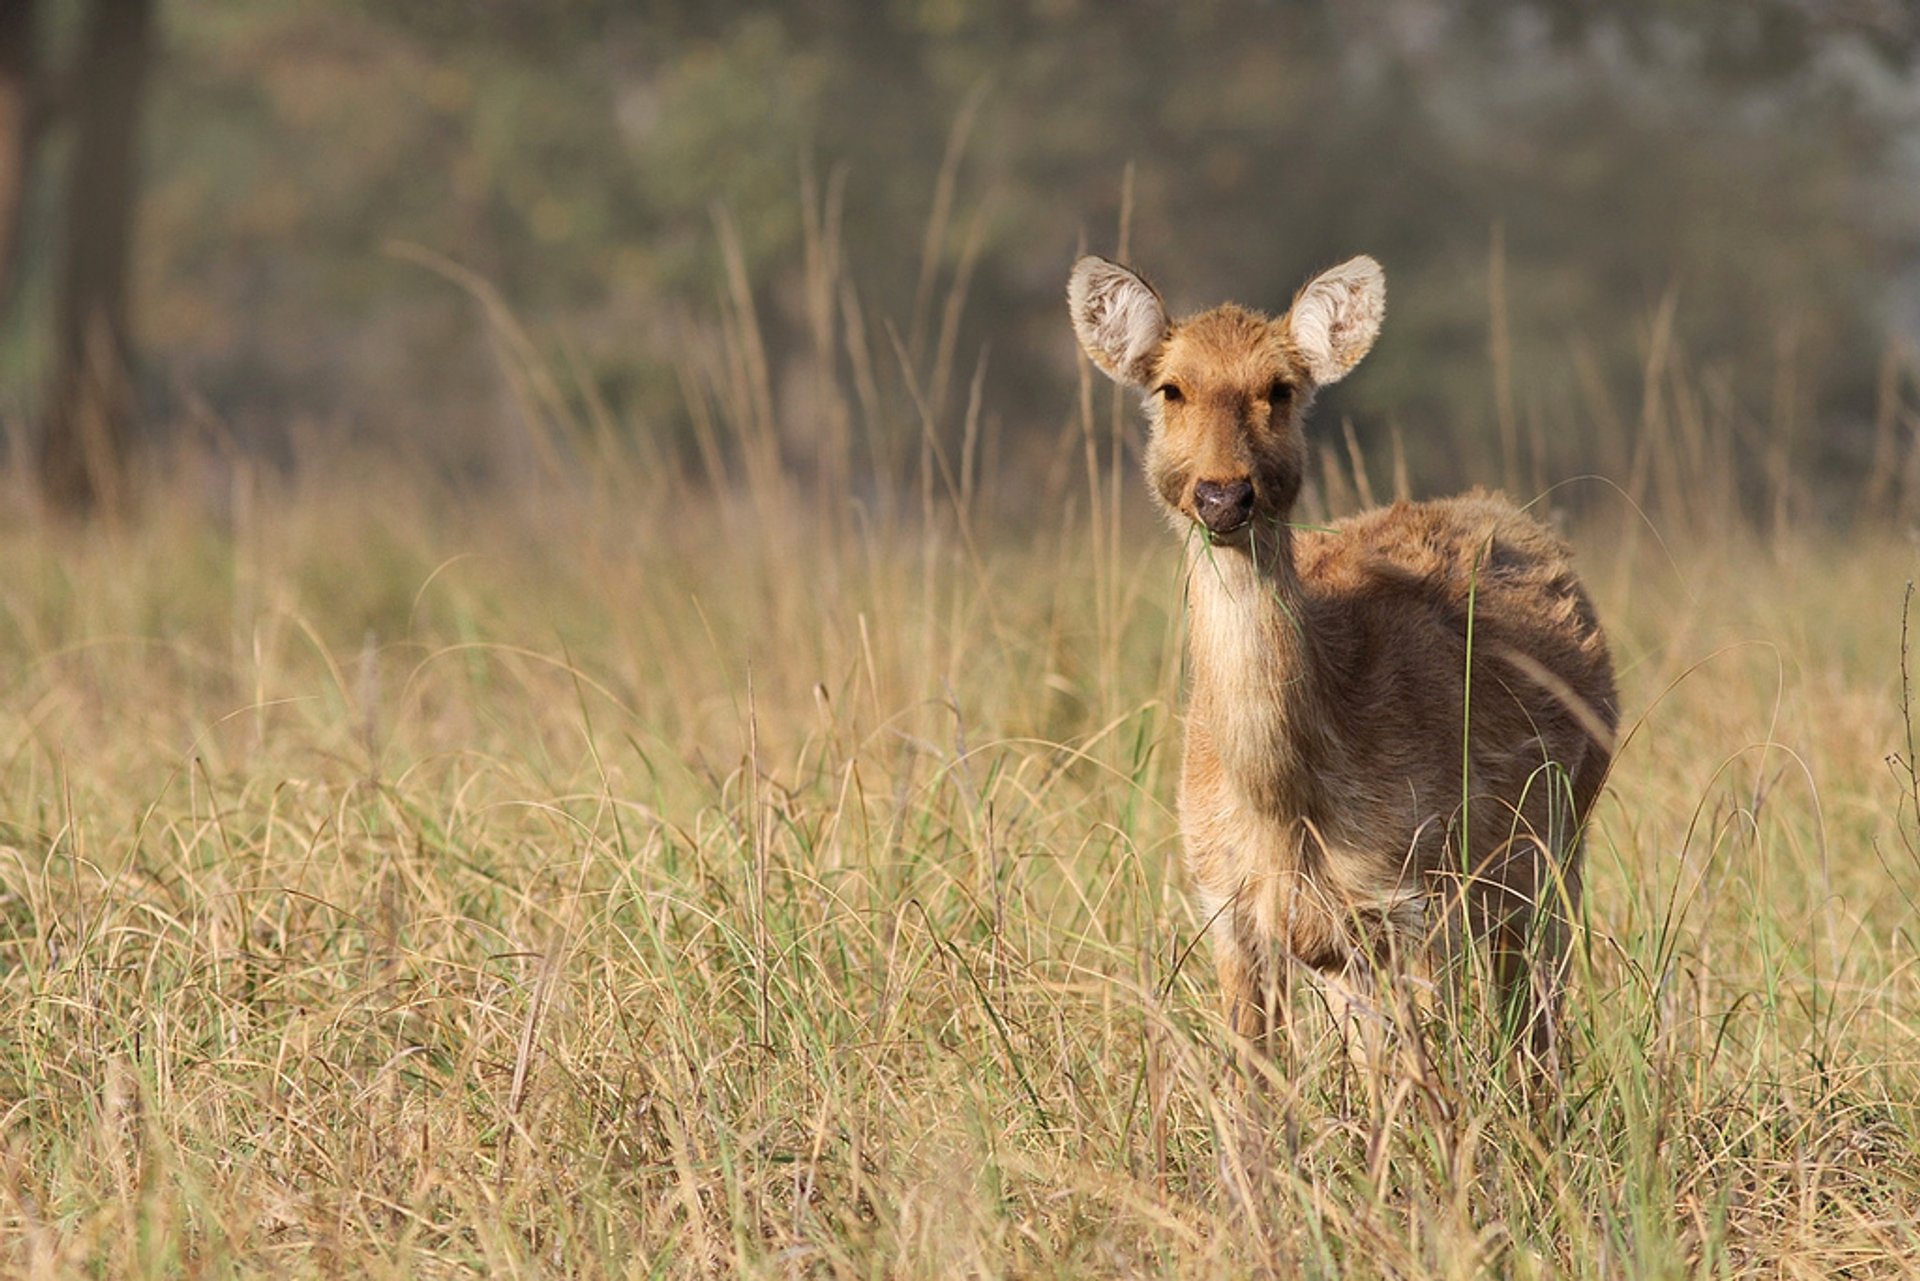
(1336, 316)
(1118, 319)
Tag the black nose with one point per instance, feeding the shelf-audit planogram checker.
(1223, 506)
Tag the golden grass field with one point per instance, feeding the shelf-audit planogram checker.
(625, 875)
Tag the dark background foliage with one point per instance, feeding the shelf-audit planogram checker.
(1559, 180)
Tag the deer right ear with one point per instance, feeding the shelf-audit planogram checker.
(1118, 319)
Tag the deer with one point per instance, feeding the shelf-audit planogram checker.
(1395, 725)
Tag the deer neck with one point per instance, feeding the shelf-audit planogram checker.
(1258, 668)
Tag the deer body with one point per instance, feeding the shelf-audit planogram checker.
(1395, 726)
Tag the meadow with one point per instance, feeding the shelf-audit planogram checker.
(668, 866)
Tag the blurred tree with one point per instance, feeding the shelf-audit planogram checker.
(90, 406)
(17, 61)
(1754, 160)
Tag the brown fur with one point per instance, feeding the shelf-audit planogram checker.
(1321, 800)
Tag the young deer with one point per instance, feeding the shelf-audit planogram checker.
(1332, 815)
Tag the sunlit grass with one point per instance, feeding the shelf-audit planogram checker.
(767, 866)
(590, 883)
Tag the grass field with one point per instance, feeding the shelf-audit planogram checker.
(616, 876)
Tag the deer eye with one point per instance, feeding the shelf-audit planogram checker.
(1171, 392)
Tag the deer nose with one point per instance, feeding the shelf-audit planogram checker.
(1223, 506)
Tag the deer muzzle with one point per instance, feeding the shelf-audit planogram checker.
(1223, 506)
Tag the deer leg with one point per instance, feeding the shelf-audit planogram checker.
(1524, 915)
(1244, 985)
(1381, 997)
(1255, 989)
(1529, 971)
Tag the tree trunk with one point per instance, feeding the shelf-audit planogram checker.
(16, 130)
(90, 409)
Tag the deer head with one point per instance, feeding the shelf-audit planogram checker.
(1226, 391)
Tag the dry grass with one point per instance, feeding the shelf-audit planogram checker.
(632, 876)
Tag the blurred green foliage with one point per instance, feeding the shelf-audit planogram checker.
(1754, 161)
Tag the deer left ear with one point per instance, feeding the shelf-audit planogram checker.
(1336, 316)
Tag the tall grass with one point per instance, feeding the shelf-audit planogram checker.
(758, 859)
